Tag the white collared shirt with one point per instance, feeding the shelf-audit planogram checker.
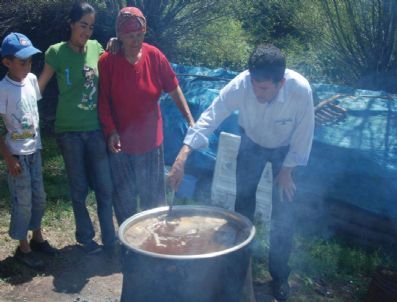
(288, 120)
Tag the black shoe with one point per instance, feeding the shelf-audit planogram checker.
(280, 290)
(91, 247)
(43, 247)
(29, 259)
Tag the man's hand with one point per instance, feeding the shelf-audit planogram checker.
(176, 174)
(113, 45)
(13, 166)
(114, 143)
(285, 183)
(177, 171)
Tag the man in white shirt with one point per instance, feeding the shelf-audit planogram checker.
(276, 117)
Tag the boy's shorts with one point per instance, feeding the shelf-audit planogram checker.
(28, 199)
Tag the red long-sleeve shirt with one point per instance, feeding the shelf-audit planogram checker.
(128, 97)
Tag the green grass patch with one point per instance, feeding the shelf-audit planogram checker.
(339, 267)
(332, 259)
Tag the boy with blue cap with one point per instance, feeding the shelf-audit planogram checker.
(19, 93)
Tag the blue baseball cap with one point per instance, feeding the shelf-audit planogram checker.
(18, 45)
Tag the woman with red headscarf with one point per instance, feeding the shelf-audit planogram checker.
(131, 83)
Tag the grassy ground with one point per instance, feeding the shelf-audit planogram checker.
(328, 269)
(323, 270)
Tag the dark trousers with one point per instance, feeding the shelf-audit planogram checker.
(137, 177)
(251, 161)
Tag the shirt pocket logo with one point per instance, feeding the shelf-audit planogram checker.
(283, 127)
(283, 121)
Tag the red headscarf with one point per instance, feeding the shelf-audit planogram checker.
(130, 19)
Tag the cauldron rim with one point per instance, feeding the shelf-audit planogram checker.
(210, 209)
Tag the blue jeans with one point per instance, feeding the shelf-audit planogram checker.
(28, 199)
(251, 161)
(87, 165)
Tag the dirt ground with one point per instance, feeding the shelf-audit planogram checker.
(72, 276)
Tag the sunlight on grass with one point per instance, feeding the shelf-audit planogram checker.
(331, 259)
(333, 263)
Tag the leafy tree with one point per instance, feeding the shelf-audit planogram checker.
(272, 20)
(196, 32)
(292, 25)
(214, 48)
(172, 21)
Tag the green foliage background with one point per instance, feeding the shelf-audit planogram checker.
(335, 41)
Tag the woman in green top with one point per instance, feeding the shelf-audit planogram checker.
(77, 126)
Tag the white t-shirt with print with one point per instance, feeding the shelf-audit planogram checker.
(18, 108)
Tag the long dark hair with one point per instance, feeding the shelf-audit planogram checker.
(78, 10)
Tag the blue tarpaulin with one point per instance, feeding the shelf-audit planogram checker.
(354, 160)
(200, 86)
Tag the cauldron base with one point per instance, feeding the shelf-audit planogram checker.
(181, 281)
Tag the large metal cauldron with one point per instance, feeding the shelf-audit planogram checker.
(155, 272)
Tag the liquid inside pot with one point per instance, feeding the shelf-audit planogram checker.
(185, 235)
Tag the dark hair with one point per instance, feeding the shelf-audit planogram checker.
(9, 57)
(80, 9)
(267, 63)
